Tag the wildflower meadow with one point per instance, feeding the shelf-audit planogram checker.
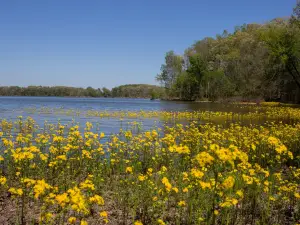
(199, 171)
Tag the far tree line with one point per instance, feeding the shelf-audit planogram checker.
(128, 91)
(256, 61)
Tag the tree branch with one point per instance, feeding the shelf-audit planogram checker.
(294, 77)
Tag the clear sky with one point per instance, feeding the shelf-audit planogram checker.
(108, 42)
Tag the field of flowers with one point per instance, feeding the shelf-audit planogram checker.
(197, 172)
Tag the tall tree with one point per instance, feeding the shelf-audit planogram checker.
(170, 70)
(284, 45)
(197, 68)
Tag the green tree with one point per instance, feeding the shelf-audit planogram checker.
(283, 43)
(106, 92)
(196, 70)
(170, 70)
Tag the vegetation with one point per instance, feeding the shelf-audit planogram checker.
(124, 91)
(256, 61)
(198, 173)
(191, 168)
(268, 111)
(138, 91)
(54, 91)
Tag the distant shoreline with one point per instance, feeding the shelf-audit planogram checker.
(124, 91)
(43, 96)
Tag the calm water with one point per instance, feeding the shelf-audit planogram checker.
(12, 107)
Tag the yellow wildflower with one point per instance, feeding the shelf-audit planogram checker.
(16, 191)
(129, 169)
(83, 222)
(141, 177)
(167, 184)
(185, 190)
(247, 179)
(240, 193)
(181, 203)
(97, 199)
(72, 220)
(87, 184)
(160, 222)
(62, 199)
(2, 180)
(228, 182)
(103, 214)
(175, 189)
(102, 135)
(197, 173)
(40, 187)
(204, 159)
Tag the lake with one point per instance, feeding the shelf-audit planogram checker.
(48, 109)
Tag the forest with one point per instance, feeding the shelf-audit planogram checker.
(138, 91)
(123, 91)
(255, 62)
(61, 91)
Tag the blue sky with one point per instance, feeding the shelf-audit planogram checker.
(107, 42)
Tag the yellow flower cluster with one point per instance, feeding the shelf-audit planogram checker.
(205, 171)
